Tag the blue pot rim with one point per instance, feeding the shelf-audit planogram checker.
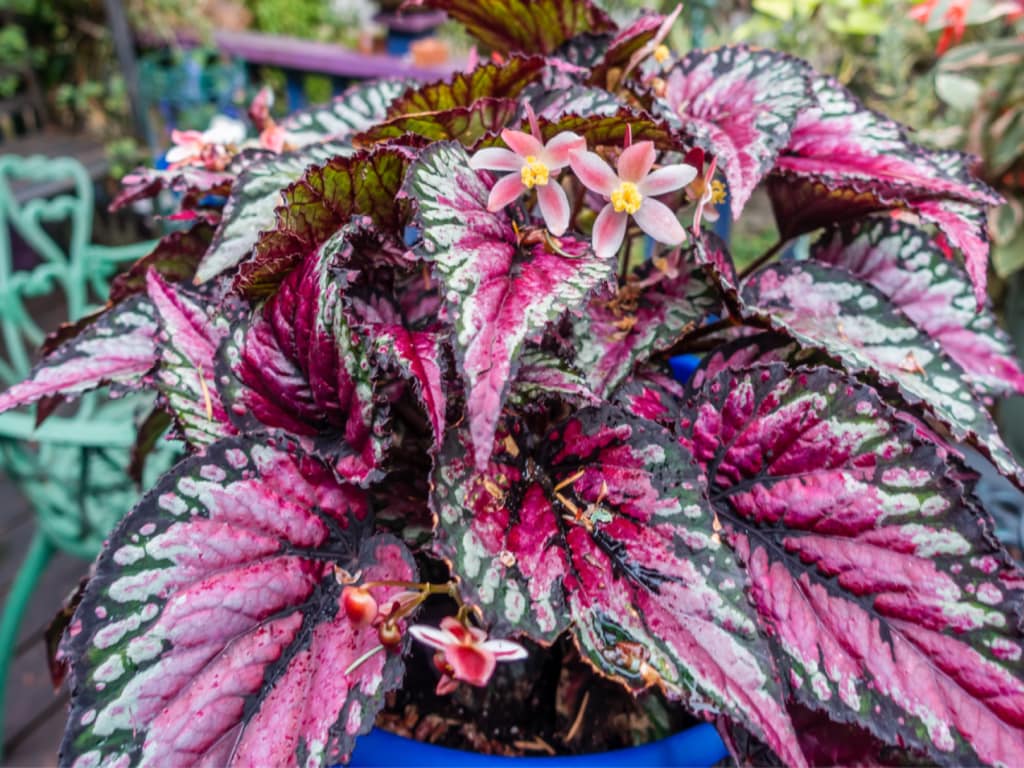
(699, 746)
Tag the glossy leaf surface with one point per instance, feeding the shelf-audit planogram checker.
(739, 104)
(499, 292)
(212, 634)
(882, 589)
(601, 525)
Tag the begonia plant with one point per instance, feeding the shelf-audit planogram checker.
(420, 358)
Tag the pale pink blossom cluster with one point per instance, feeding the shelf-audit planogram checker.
(630, 189)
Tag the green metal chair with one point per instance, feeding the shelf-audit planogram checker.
(73, 467)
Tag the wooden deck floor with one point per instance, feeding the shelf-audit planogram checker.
(35, 713)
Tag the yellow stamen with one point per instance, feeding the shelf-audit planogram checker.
(627, 198)
(717, 192)
(534, 173)
(661, 54)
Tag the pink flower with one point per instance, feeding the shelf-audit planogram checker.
(706, 190)
(533, 164)
(212, 148)
(464, 653)
(631, 192)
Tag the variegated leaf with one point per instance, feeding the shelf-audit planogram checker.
(355, 110)
(602, 526)
(844, 160)
(499, 292)
(118, 348)
(905, 264)
(531, 26)
(251, 207)
(829, 309)
(542, 375)
(651, 394)
(622, 329)
(884, 592)
(190, 332)
(319, 204)
(607, 126)
(419, 355)
(739, 104)
(297, 367)
(490, 80)
(467, 125)
(212, 631)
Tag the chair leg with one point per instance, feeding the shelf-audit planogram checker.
(39, 553)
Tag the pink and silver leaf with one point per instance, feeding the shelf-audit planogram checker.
(296, 367)
(601, 526)
(888, 601)
(119, 347)
(905, 264)
(499, 292)
(739, 104)
(190, 333)
(212, 632)
(623, 328)
(844, 160)
(830, 309)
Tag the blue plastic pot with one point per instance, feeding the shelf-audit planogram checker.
(697, 747)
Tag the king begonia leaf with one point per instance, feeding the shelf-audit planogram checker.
(319, 204)
(601, 526)
(355, 110)
(933, 291)
(190, 333)
(419, 355)
(530, 26)
(829, 309)
(739, 104)
(491, 80)
(624, 327)
(119, 347)
(844, 160)
(212, 631)
(296, 367)
(608, 127)
(175, 257)
(650, 393)
(467, 125)
(883, 591)
(542, 375)
(251, 207)
(499, 292)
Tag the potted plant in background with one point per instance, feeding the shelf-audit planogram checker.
(420, 360)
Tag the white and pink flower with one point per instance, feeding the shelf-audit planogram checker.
(221, 139)
(532, 165)
(464, 654)
(631, 190)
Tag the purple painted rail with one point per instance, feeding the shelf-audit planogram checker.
(324, 58)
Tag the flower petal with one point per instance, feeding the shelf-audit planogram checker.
(180, 153)
(187, 137)
(496, 159)
(446, 685)
(667, 179)
(636, 161)
(522, 143)
(505, 191)
(471, 663)
(595, 174)
(505, 650)
(554, 207)
(658, 221)
(609, 230)
(556, 152)
(432, 636)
